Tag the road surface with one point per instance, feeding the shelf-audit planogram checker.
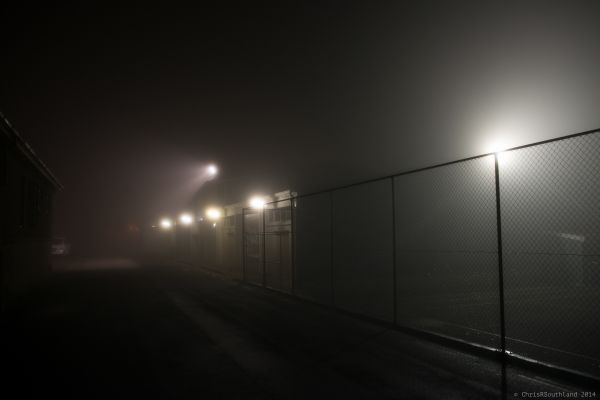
(116, 330)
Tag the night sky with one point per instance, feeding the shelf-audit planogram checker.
(126, 104)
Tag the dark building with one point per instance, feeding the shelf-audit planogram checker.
(27, 188)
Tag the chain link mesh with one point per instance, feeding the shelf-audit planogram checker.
(550, 197)
(446, 243)
(312, 236)
(278, 245)
(444, 256)
(253, 246)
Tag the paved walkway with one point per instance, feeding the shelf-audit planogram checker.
(173, 333)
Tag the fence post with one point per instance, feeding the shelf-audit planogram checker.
(264, 248)
(331, 244)
(500, 261)
(293, 246)
(243, 244)
(394, 279)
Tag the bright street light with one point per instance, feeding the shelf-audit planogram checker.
(212, 170)
(166, 223)
(257, 203)
(186, 219)
(213, 213)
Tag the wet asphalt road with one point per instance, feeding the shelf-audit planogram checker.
(171, 332)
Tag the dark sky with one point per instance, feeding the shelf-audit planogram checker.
(126, 103)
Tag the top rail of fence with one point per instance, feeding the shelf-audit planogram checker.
(420, 169)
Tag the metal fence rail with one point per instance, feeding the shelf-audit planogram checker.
(501, 251)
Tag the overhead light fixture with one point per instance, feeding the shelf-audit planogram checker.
(186, 219)
(212, 170)
(257, 202)
(166, 223)
(213, 213)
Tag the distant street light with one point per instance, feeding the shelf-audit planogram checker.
(186, 219)
(213, 213)
(166, 223)
(212, 170)
(257, 202)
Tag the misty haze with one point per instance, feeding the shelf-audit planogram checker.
(300, 200)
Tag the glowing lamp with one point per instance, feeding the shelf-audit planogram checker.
(186, 219)
(257, 203)
(212, 170)
(213, 213)
(166, 223)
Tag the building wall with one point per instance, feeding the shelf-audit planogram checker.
(26, 198)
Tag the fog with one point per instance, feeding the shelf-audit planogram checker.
(127, 104)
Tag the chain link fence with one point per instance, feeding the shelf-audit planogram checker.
(446, 251)
(501, 251)
(278, 248)
(253, 242)
(550, 199)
